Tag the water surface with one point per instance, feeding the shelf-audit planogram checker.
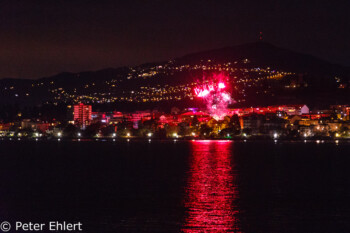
(183, 186)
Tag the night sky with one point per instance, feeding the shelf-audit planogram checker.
(42, 38)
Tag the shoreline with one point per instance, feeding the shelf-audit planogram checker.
(136, 139)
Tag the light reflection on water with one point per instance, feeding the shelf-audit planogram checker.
(211, 191)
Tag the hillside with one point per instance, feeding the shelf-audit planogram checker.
(258, 74)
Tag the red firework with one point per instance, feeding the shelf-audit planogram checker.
(216, 97)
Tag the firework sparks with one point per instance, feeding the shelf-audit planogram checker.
(221, 85)
(216, 98)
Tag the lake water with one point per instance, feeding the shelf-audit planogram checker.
(183, 186)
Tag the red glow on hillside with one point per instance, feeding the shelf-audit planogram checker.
(217, 84)
(216, 96)
(206, 89)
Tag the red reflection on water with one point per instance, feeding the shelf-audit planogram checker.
(210, 191)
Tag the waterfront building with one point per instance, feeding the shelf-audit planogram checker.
(82, 115)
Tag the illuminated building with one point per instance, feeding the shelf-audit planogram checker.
(37, 125)
(82, 115)
(282, 110)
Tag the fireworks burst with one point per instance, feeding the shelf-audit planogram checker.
(215, 96)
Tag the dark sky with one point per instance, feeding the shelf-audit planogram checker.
(41, 38)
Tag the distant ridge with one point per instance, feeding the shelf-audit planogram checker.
(266, 54)
(310, 79)
(259, 53)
